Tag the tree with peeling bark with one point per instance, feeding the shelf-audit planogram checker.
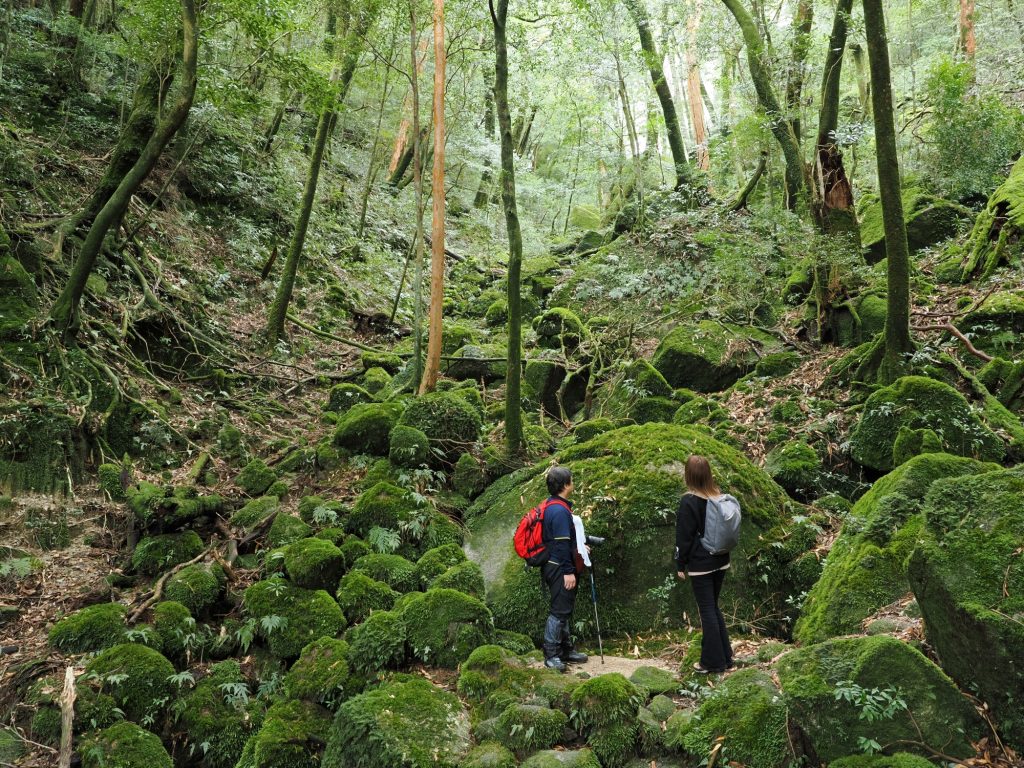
(432, 368)
(513, 409)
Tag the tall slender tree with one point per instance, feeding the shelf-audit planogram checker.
(889, 358)
(513, 412)
(416, 66)
(341, 79)
(437, 236)
(693, 87)
(65, 312)
(803, 21)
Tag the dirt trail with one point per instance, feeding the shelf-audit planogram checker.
(624, 665)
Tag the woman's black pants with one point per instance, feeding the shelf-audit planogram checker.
(715, 650)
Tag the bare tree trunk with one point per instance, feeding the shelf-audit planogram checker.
(402, 136)
(524, 134)
(483, 193)
(802, 23)
(967, 44)
(693, 87)
(863, 84)
(416, 66)
(437, 235)
(65, 312)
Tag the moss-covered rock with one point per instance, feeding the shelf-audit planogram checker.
(648, 409)
(155, 554)
(469, 478)
(124, 745)
(287, 529)
(654, 680)
(524, 728)
(899, 760)
(569, 758)
(321, 673)
(591, 428)
(410, 724)
(394, 570)
(997, 326)
(375, 380)
(168, 508)
(292, 735)
(255, 478)
(314, 563)
(89, 629)
(382, 506)
(137, 677)
(366, 427)
(452, 424)
(796, 467)
(358, 595)
(300, 615)
(968, 576)
(480, 362)
(255, 512)
(777, 364)
(353, 549)
(867, 563)
(214, 718)
(747, 711)
(174, 623)
(710, 356)
(929, 220)
(605, 710)
(198, 587)
(465, 577)
(647, 379)
(409, 447)
(390, 362)
(436, 561)
(378, 643)
(632, 479)
(917, 402)
(443, 626)
(829, 686)
(516, 642)
(997, 229)
(489, 755)
(344, 396)
(559, 328)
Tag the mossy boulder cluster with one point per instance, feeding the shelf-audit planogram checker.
(710, 356)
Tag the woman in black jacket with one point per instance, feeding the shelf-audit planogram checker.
(706, 571)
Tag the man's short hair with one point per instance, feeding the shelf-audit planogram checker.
(558, 478)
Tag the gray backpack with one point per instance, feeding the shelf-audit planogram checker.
(721, 525)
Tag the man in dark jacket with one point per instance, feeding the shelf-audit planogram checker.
(559, 572)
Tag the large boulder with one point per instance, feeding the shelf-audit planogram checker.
(852, 688)
(628, 482)
(968, 577)
(450, 423)
(929, 220)
(996, 237)
(710, 356)
(997, 326)
(866, 568)
(915, 403)
(411, 724)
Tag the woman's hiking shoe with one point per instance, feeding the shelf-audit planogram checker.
(573, 657)
(704, 671)
(555, 663)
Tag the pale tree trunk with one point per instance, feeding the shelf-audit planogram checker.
(967, 43)
(437, 235)
(404, 127)
(693, 87)
(416, 65)
(65, 312)
(863, 84)
(483, 192)
(513, 409)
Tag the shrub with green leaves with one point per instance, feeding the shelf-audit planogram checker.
(138, 678)
(89, 629)
(358, 595)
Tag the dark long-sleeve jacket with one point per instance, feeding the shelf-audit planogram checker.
(690, 555)
(559, 534)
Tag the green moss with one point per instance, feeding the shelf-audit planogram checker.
(929, 219)
(917, 402)
(479, 362)
(710, 356)
(109, 477)
(937, 716)
(156, 554)
(777, 364)
(287, 529)
(410, 724)
(291, 736)
(198, 587)
(591, 428)
(605, 710)
(255, 512)
(456, 336)
(384, 506)
(575, 758)
(452, 424)
(648, 379)
(366, 427)
(321, 673)
(375, 380)
(465, 577)
(409, 447)
(308, 615)
(516, 642)
(443, 626)
(524, 728)
(391, 363)
(214, 721)
(968, 578)
(662, 707)
(469, 478)
(255, 478)
(867, 563)
(632, 479)
(648, 409)
(489, 755)
(169, 507)
(18, 300)
(314, 563)
(436, 561)
(997, 325)
(559, 328)
(747, 711)
(654, 680)
(899, 760)
(174, 623)
(700, 409)
(913, 442)
(358, 595)
(353, 549)
(124, 745)
(89, 629)
(497, 313)
(317, 511)
(378, 643)
(796, 467)
(394, 570)
(137, 677)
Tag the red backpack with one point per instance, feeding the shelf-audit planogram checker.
(529, 539)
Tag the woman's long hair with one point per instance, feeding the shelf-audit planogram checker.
(698, 477)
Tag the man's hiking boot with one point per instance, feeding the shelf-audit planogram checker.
(555, 663)
(573, 657)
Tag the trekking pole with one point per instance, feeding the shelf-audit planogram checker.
(597, 621)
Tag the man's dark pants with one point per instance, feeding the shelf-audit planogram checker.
(556, 630)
